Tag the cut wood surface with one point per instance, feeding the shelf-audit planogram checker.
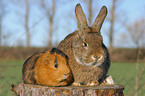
(38, 90)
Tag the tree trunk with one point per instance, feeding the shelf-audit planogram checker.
(90, 12)
(50, 31)
(51, 18)
(0, 33)
(27, 23)
(112, 25)
(37, 90)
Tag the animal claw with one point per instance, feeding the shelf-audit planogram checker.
(76, 84)
(93, 83)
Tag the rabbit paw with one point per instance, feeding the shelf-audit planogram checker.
(76, 84)
(108, 80)
(93, 83)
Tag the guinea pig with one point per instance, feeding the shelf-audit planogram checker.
(28, 68)
(50, 69)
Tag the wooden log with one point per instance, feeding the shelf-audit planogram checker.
(38, 90)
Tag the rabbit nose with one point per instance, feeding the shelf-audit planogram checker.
(97, 58)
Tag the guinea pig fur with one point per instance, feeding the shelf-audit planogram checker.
(28, 68)
(51, 69)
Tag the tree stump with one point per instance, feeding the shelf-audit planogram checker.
(37, 90)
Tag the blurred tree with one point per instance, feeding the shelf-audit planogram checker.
(22, 8)
(27, 22)
(50, 9)
(116, 18)
(2, 14)
(112, 24)
(136, 32)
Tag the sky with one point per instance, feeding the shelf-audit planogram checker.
(65, 21)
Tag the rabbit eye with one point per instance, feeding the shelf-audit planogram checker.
(56, 65)
(85, 44)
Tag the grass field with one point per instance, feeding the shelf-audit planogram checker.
(122, 73)
(125, 74)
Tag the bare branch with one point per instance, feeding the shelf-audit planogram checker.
(50, 18)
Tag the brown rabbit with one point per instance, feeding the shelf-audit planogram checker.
(49, 68)
(88, 56)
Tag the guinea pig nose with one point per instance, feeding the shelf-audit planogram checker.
(66, 75)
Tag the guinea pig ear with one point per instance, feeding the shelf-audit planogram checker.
(100, 19)
(81, 20)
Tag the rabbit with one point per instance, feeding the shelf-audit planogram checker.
(47, 68)
(88, 56)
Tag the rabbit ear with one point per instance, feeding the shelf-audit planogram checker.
(81, 19)
(99, 19)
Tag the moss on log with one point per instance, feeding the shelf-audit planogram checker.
(37, 90)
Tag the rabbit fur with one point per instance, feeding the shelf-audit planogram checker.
(47, 68)
(88, 56)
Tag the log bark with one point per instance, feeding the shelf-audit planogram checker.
(37, 90)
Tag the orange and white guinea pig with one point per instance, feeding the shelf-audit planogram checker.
(48, 68)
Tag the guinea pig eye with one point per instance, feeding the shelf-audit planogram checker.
(85, 44)
(56, 65)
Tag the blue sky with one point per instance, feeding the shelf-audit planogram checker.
(64, 21)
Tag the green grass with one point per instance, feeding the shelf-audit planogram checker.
(125, 74)
(122, 73)
(10, 72)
